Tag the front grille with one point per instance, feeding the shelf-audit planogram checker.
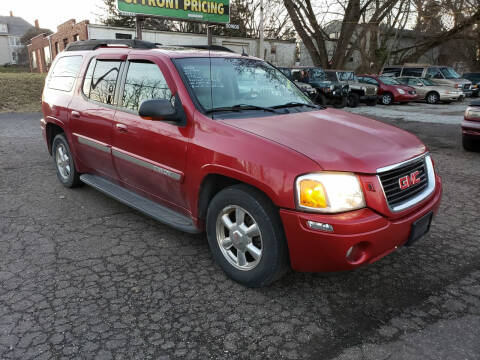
(371, 91)
(466, 87)
(393, 179)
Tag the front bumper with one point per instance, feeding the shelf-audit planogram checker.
(320, 251)
(471, 129)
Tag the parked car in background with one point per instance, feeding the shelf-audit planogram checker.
(443, 75)
(216, 142)
(430, 91)
(327, 92)
(475, 79)
(390, 90)
(471, 127)
(358, 92)
(308, 89)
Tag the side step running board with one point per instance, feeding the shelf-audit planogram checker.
(142, 204)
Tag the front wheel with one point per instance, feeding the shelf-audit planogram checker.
(353, 100)
(433, 98)
(62, 156)
(246, 236)
(387, 99)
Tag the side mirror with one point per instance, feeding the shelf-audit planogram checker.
(158, 109)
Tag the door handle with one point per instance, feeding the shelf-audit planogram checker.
(75, 114)
(121, 127)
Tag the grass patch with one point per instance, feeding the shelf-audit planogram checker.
(14, 69)
(21, 92)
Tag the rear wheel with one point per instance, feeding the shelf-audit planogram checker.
(353, 100)
(62, 156)
(246, 236)
(320, 99)
(432, 98)
(340, 103)
(387, 99)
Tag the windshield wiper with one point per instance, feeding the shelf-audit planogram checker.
(240, 107)
(294, 104)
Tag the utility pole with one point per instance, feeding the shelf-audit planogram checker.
(260, 45)
(209, 34)
(138, 25)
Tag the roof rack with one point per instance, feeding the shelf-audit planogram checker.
(95, 44)
(209, 47)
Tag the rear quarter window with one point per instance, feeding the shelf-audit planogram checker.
(64, 73)
(392, 71)
(416, 72)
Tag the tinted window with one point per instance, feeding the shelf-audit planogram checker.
(64, 73)
(331, 76)
(449, 73)
(434, 73)
(104, 80)
(368, 80)
(417, 72)
(388, 80)
(144, 81)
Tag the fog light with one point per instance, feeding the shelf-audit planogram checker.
(320, 226)
(357, 254)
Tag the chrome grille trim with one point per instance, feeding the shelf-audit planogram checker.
(417, 197)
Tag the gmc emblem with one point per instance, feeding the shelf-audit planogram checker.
(409, 180)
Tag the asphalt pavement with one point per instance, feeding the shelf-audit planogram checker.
(83, 276)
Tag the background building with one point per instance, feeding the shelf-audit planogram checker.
(44, 48)
(12, 28)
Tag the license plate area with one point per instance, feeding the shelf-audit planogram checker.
(419, 228)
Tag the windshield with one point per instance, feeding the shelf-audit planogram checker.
(238, 81)
(346, 76)
(388, 80)
(428, 82)
(449, 73)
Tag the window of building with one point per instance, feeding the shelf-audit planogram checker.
(14, 57)
(3, 28)
(103, 81)
(122, 36)
(64, 73)
(48, 56)
(75, 37)
(65, 43)
(14, 41)
(144, 81)
(417, 72)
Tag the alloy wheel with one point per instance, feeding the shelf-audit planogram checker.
(239, 237)
(63, 161)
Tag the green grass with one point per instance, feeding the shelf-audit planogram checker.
(14, 69)
(21, 92)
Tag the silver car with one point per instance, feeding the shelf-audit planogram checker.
(430, 91)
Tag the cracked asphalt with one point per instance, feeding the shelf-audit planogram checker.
(85, 277)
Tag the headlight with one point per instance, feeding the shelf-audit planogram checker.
(363, 88)
(401, 91)
(329, 192)
(472, 113)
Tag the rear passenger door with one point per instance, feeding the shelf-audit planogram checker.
(149, 155)
(93, 111)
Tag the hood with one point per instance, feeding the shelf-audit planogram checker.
(336, 140)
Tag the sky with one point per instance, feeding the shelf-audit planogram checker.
(51, 13)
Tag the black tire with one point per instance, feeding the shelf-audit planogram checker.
(320, 99)
(432, 98)
(386, 99)
(71, 178)
(273, 262)
(372, 102)
(340, 103)
(469, 144)
(353, 100)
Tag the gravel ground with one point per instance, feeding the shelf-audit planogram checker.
(82, 276)
(421, 112)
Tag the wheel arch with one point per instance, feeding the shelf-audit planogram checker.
(52, 130)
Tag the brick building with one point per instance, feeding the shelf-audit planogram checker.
(43, 48)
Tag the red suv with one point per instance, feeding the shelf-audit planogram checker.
(215, 141)
(390, 90)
